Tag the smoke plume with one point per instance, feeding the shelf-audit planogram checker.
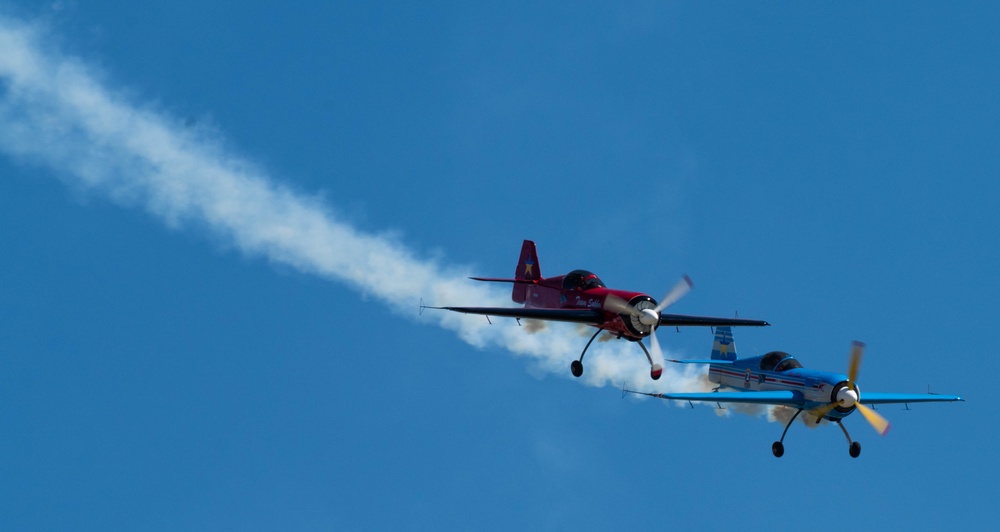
(58, 113)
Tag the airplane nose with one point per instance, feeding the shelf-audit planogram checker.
(847, 397)
(648, 316)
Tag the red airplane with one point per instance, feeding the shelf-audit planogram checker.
(581, 297)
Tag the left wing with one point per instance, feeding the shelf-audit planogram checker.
(677, 320)
(781, 397)
(874, 398)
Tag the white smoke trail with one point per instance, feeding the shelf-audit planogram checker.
(55, 112)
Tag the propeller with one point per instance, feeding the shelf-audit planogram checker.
(651, 317)
(682, 287)
(879, 423)
(613, 303)
(848, 397)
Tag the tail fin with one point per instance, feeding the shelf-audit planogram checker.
(724, 347)
(527, 269)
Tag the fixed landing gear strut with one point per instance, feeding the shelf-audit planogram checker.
(576, 367)
(655, 370)
(855, 448)
(778, 448)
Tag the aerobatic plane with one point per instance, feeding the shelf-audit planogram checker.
(581, 297)
(778, 378)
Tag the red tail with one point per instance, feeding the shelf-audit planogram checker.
(527, 269)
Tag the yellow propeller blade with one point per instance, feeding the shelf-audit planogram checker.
(856, 350)
(879, 423)
(822, 411)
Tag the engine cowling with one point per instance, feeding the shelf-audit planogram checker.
(639, 323)
(845, 396)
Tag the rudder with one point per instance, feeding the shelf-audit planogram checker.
(724, 347)
(527, 269)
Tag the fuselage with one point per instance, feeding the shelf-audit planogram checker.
(581, 289)
(779, 371)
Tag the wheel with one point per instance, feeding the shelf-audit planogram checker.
(778, 449)
(855, 449)
(577, 368)
(656, 371)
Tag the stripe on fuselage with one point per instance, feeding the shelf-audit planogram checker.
(735, 378)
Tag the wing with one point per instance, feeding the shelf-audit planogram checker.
(504, 280)
(677, 320)
(591, 316)
(706, 361)
(782, 397)
(874, 398)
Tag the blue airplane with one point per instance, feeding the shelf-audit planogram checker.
(777, 378)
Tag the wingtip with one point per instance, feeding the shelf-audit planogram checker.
(626, 391)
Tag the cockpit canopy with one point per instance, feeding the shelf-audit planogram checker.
(778, 361)
(581, 280)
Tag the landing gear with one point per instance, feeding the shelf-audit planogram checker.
(778, 448)
(855, 448)
(655, 370)
(577, 366)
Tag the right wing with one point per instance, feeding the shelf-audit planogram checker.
(876, 398)
(591, 316)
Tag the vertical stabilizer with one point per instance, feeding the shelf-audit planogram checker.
(527, 269)
(724, 347)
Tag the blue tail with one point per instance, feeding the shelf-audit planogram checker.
(724, 347)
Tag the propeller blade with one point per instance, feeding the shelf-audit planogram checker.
(879, 423)
(654, 347)
(856, 351)
(682, 287)
(613, 303)
(822, 411)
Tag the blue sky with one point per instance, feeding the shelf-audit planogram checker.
(219, 220)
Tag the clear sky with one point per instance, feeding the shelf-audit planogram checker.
(219, 219)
